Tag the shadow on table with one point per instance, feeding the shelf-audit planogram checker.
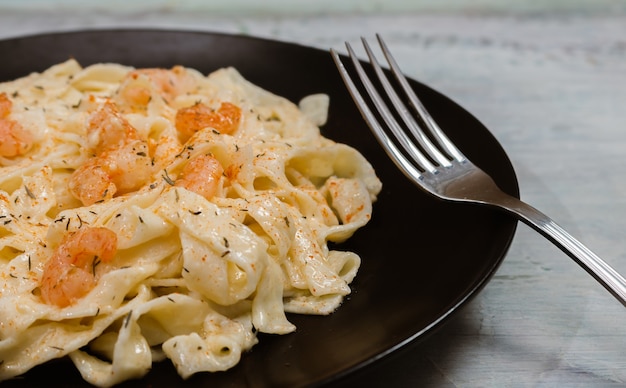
(413, 365)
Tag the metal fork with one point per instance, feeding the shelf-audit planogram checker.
(438, 166)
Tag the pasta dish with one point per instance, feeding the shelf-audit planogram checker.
(153, 214)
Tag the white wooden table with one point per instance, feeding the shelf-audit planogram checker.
(551, 86)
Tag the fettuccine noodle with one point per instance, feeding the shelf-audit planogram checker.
(152, 214)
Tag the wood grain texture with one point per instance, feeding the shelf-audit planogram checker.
(551, 87)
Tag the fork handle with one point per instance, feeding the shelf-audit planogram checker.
(589, 261)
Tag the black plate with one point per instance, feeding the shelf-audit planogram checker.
(422, 258)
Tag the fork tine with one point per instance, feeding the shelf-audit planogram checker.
(401, 108)
(462, 181)
(389, 146)
(386, 114)
(430, 123)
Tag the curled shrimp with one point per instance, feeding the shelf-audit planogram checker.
(107, 129)
(199, 116)
(168, 83)
(201, 175)
(70, 273)
(91, 183)
(116, 171)
(121, 163)
(15, 140)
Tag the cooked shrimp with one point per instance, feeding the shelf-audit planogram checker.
(116, 171)
(70, 273)
(134, 93)
(199, 116)
(92, 183)
(130, 165)
(201, 175)
(5, 105)
(15, 140)
(121, 161)
(108, 129)
(168, 83)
